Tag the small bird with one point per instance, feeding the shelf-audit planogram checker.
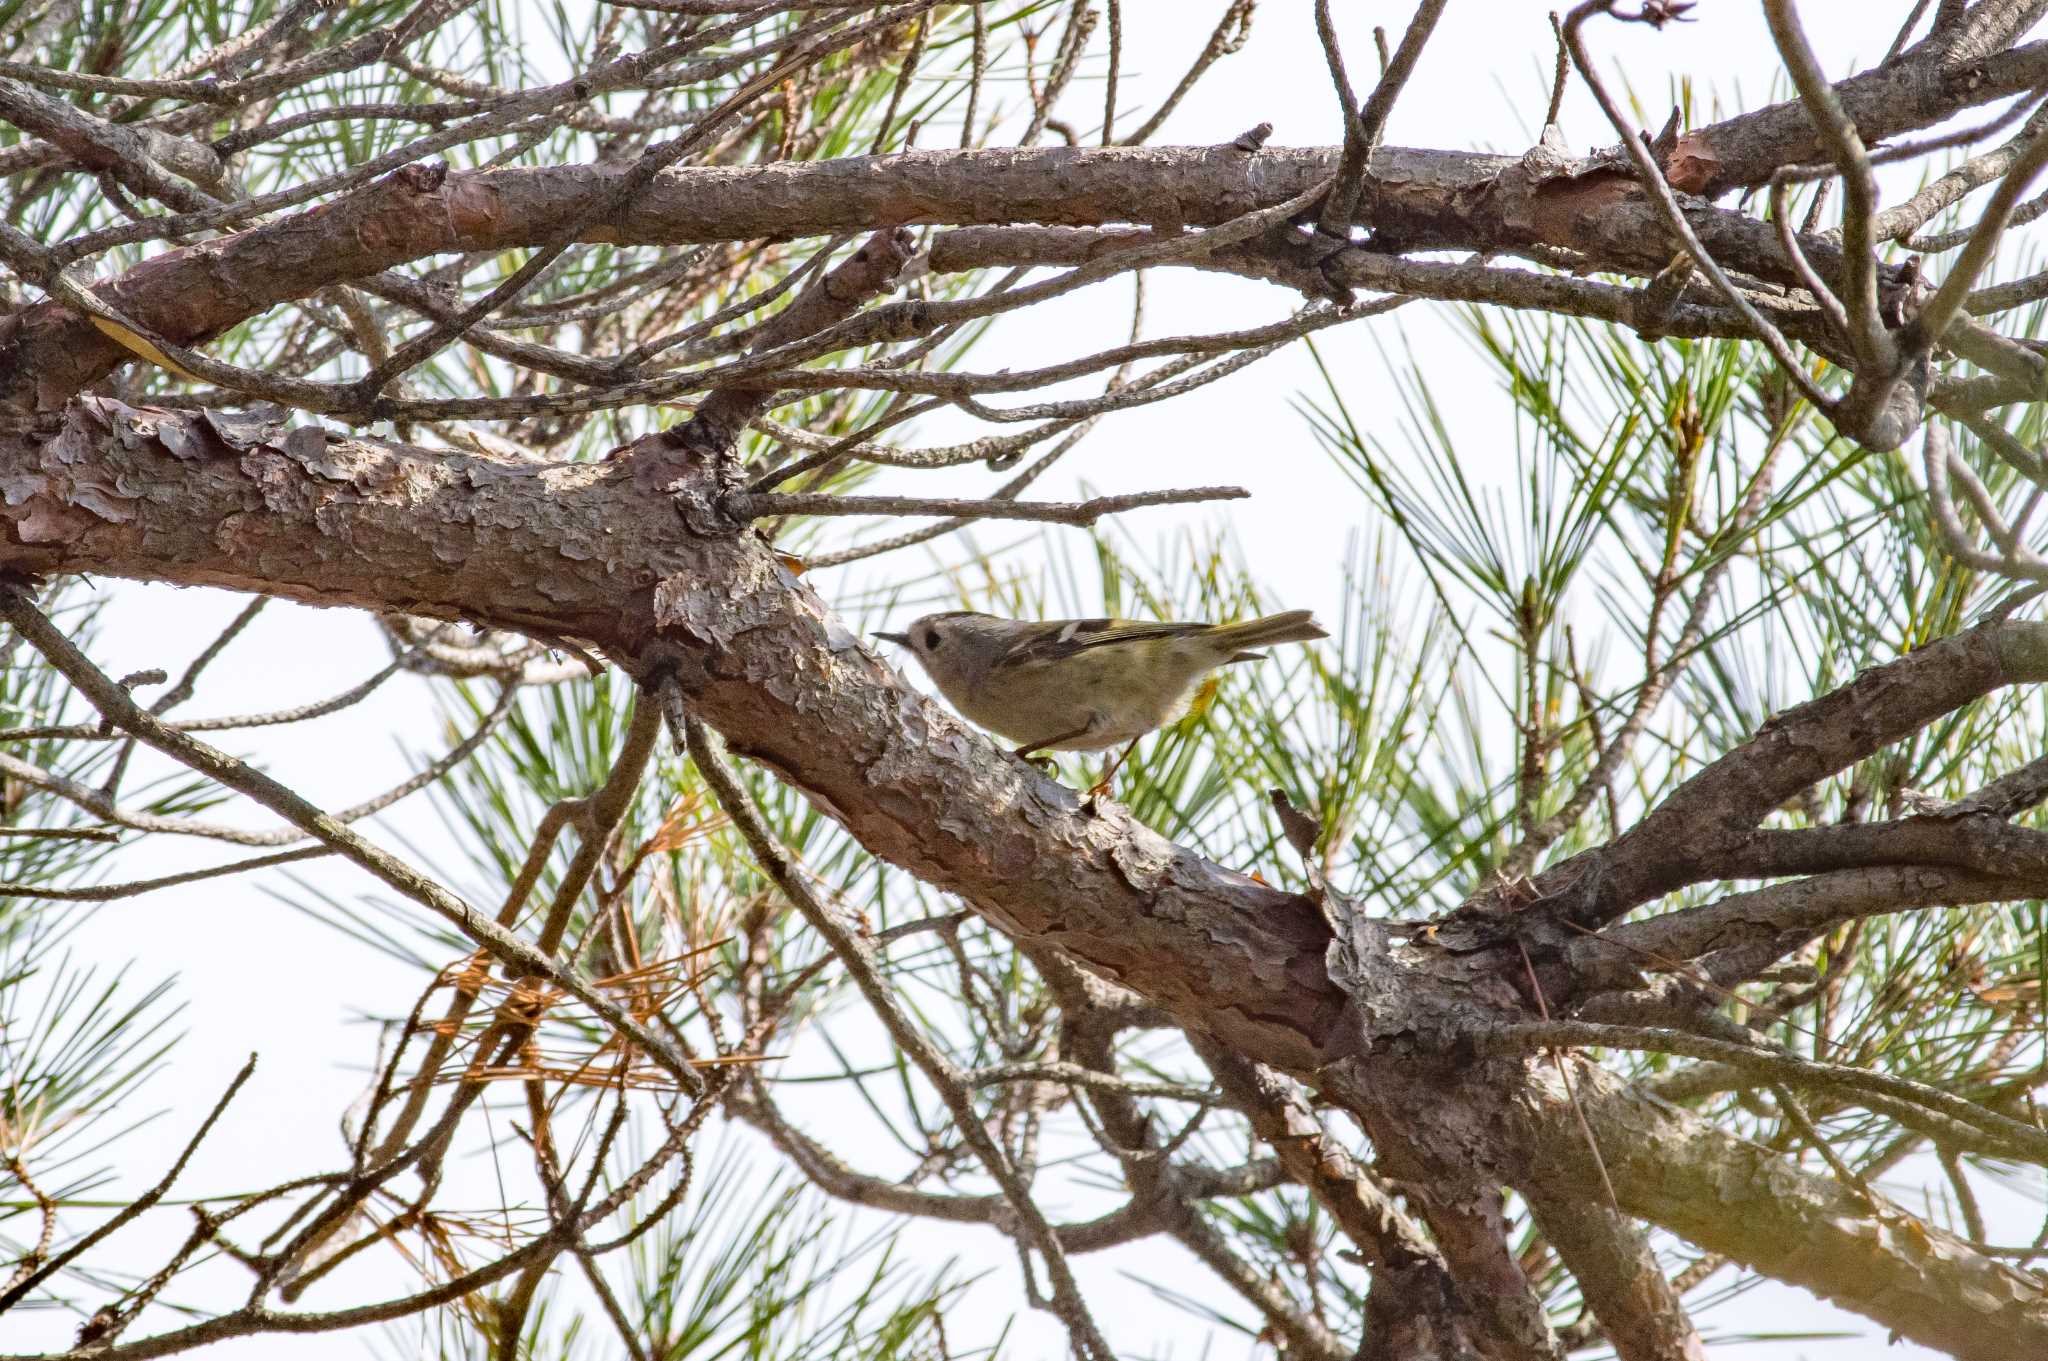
(1083, 684)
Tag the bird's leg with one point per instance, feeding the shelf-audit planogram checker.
(1103, 786)
(1047, 763)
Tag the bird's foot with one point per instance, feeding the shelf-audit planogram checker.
(1097, 792)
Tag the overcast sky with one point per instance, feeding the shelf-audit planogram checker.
(255, 974)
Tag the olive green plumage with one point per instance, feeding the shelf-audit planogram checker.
(1082, 684)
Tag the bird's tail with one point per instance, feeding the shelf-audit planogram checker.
(1294, 626)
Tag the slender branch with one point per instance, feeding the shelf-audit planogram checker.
(1231, 32)
(19, 1289)
(761, 505)
(1138, 1218)
(1342, 203)
(114, 702)
(1906, 219)
(106, 834)
(1788, 241)
(1795, 1114)
(46, 1213)
(1116, 66)
(1781, 917)
(100, 802)
(595, 818)
(854, 953)
(182, 691)
(1839, 1079)
(1948, 301)
(1866, 329)
(103, 893)
(1966, 1197)
(1076, 1075)
(1359, 145)
(1078, 428)
(1651, 176)
(1559, 76)
(1944, 468)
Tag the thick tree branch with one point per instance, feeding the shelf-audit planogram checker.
(583, 551)
(1619, 1277)
(1418, 199)
(1769, 922)
(1736, 1198)
(1691, 834)
(113, 701)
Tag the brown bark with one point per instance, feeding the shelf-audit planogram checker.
(650, 558)
(1619, 1277)
(670, 583)
(584, 551)
(1420, 199)
(1413, 199)
(1733, 1197)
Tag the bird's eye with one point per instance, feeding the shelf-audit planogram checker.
(931, 640)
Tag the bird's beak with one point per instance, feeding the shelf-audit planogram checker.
(902, 639)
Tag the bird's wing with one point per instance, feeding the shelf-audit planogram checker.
(1065, 637)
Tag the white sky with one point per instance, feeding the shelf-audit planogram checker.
(254, 974)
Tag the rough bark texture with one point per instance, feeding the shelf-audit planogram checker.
(584, 551)
(1415, 199)
(1619, 1277)
(1733, 1197)
(669, 582)
(649, 558)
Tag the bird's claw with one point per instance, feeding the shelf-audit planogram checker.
(1097, 792)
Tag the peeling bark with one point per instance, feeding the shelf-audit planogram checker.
(1412, 1029)
(1733, 1197)
(670, 583)
(584, 551)
(1414, 199)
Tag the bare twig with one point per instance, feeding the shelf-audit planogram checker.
(760, 505)
(115, 704)
(1866, 329)
(133, 1209)
(1795, 1113)
(46, 1212)
(104, 893)
(1652, 178)
(1948, 300)
(1231, 32)
(106, 834)
(1788, 241)
(1563, 72)
(1362, 139)
(854, 953)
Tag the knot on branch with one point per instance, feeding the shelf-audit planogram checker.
(424, 178)
(1881, 416)
(869, 272)
(905, 320)
(691, 463)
